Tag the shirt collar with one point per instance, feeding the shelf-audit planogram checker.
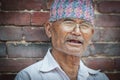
(49, 63)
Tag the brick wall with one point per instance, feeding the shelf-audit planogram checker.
(23, 40)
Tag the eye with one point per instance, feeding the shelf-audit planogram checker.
(69, 23)
(86, 25)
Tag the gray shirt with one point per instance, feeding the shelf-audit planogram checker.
(49, 69)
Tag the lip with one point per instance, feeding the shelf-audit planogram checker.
(75, 42)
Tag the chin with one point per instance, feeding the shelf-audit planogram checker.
(75, 52)
(76, 55)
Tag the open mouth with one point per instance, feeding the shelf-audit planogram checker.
(75, 41)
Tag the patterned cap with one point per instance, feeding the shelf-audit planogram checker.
(82, 9)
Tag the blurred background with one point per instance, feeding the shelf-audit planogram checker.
(23, 40)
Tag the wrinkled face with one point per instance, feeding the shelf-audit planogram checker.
(70, 36)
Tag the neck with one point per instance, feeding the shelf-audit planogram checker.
(69, 63)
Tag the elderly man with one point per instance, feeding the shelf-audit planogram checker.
(70, 29)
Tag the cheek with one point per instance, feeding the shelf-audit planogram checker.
(87, 36)
(57, 35)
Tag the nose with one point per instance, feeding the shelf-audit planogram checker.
(76, 30)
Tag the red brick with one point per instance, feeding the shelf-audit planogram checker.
(117, 64)
(2, 50)
(104, 64)
(102, 49)
(110, 35)
(106, 49)
(35, 34)
(107, 21)
(114, 76)
(109, 7)
(15, 65)
(106, 35)
(27, 50)
(10, 33)
(15, 18)
(7, 76)
(39, 18)
(23, 4)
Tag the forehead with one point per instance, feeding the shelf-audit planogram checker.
(71, 19)
(76, 20)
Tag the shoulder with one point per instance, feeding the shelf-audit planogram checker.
(93, 74)
(99, 76)
(29, 72)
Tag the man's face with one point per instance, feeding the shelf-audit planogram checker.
(70, 36)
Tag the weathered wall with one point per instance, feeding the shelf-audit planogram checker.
(23, 40)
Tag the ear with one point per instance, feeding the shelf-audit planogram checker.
(48, 26)
(93, 31)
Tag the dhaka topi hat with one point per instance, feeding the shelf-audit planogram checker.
(82, 9)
